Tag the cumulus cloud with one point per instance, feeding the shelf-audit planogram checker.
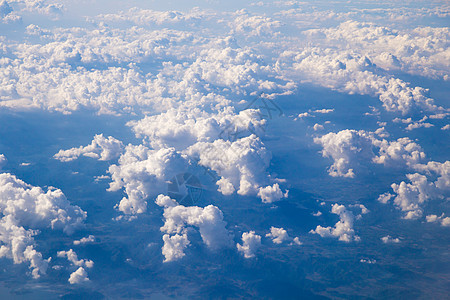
(181, 128)
(147, 17)
(84, 240)
(390, 240)
(342, 147)
(351, 147)
(173, 248)
(271, 194)
(410, 197)
(244, 23)
(343, 229)
(25, 209)
(73, 258)
(208, 220)
(280, 235)
(352, 73)
(3, 161)
(40, 6)
(392, 49)
(303, 115)
(250, 244)
(79, 276)
(101, 148)
(142, 173)
(418, 125)
(241, 166)
(442, 219)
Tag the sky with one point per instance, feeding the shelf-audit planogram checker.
(224, 149)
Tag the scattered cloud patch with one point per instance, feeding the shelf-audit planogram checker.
(250, 244)
(101, 148)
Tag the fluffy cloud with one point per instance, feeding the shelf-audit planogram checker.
(250, 244)
(7, 16)
(390, 240)
(182, 128)
(353, 73)
(85, 240)
(343, 229)
(342, 147)
(241, 166)
(25, 209)
(255, 25)
(143, 172)
(271, 194)
(278, 235)
(419, 51)
(73, 258)
(411, 197)
(208, 220)
(40, 6)
(79, 276)
(146, 17)
(3, 161)
(402, 150)
(101, 148)
(173, 248)
(444, 221)
(350, 147)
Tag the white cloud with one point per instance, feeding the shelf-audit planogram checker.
(446, 127)
(353, 73)
(3, 161)
(208, 220)
(250, 244)
(270, 194)
(255, 25)
(400, 150)
(147, 17)
(444, 221)
(368, 261)
(278, 235)
(342, 147)
(384, 198)
(241, 165)
(143, 173)
(174, 246)
(303, 115)
(25, 209)
(350, 148)
(318, 127)
(343, 229)
(40, 6)
(324, 110)
(181, 128)
(73, 258)
(419, 50)
(390, 240)
(5, 8)
(411, 197)
(84, 240)
(101, 148)
(297, 241)
(418, 125)
(79, 276)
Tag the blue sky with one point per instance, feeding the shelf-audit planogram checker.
(211, 149)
